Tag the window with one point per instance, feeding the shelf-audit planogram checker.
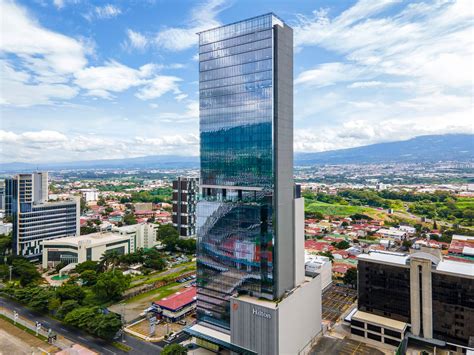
(374, 328)
(391, 342)
(358, 332)
(356, 323)
(393, 333)
(374, 337)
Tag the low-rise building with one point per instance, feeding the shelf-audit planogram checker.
(85, 247)
(176, 306)
(317, 264)
(393, 233)
(89, 195)
(144, 234)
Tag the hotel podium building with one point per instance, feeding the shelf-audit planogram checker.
(252, 288)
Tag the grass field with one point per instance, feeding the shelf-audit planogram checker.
(335, 210)
(465, 202)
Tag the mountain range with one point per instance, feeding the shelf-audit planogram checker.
(431, 148)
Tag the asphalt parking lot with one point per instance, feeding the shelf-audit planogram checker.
(336, 300)
(333, 346)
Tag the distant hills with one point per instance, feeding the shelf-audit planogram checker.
(449, 147)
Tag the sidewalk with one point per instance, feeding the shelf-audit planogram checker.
(61, 342)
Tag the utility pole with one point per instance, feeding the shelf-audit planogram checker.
(123, 321)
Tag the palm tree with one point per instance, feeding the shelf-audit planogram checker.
(110, 258)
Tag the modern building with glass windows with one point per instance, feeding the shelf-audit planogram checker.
(34, 218)
(250, 217)
(185, 190)
(419, 297)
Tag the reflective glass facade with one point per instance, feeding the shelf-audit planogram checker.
(236, 212)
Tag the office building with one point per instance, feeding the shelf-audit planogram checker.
(144, 234)
(34, 218)
(417, 296)
(76, 250)
(185, 191)
(252, 287)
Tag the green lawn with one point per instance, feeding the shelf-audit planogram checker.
(465, 202)
(334, 209)
(158, 293)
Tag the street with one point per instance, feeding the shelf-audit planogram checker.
(76, 335)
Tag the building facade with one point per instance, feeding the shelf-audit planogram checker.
(144, 234)
(433, 297)
(34, 218)
(185, 191)
(76, 250)
(250, 217)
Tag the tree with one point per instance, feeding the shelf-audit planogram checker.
(70, 292)
(468, 214)
(26, 271)
(89, 277)
(86, 265)
(350, 278)
(174, 349)
(6, 242)
(40, 299)
(66, 307)
(88, 230)
(343, 244)
(129, 219)
(165, 231)
(110, 258)
(315, 215)
(94, 321)
(169, 236)
(110, 285)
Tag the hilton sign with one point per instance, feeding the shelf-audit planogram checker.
(260, 313)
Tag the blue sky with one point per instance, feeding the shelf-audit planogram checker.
(95, 79)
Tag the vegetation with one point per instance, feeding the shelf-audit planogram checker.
(350, 278)
(104, 325)
(161, 194)
(174, 349)
(110, 285)
(5, 243)
(169, 236)
(440, 205)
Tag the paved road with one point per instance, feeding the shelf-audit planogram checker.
(94, 343)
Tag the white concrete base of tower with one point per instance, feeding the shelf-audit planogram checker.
(287, 326)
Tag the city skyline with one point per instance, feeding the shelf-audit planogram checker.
(360, 64)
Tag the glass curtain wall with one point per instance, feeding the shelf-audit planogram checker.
(235, 211)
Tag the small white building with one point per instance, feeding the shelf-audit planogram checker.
(90, 194)
(393, 233)
(144, 234)
(317, 264)
(408, 229)
(85, 247)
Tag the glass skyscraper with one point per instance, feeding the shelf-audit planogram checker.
(245, 215)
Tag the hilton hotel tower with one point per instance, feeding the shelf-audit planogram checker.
(253, 295)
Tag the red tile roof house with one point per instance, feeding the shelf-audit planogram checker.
(176, 306)
(313, 245)
(340, 269)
